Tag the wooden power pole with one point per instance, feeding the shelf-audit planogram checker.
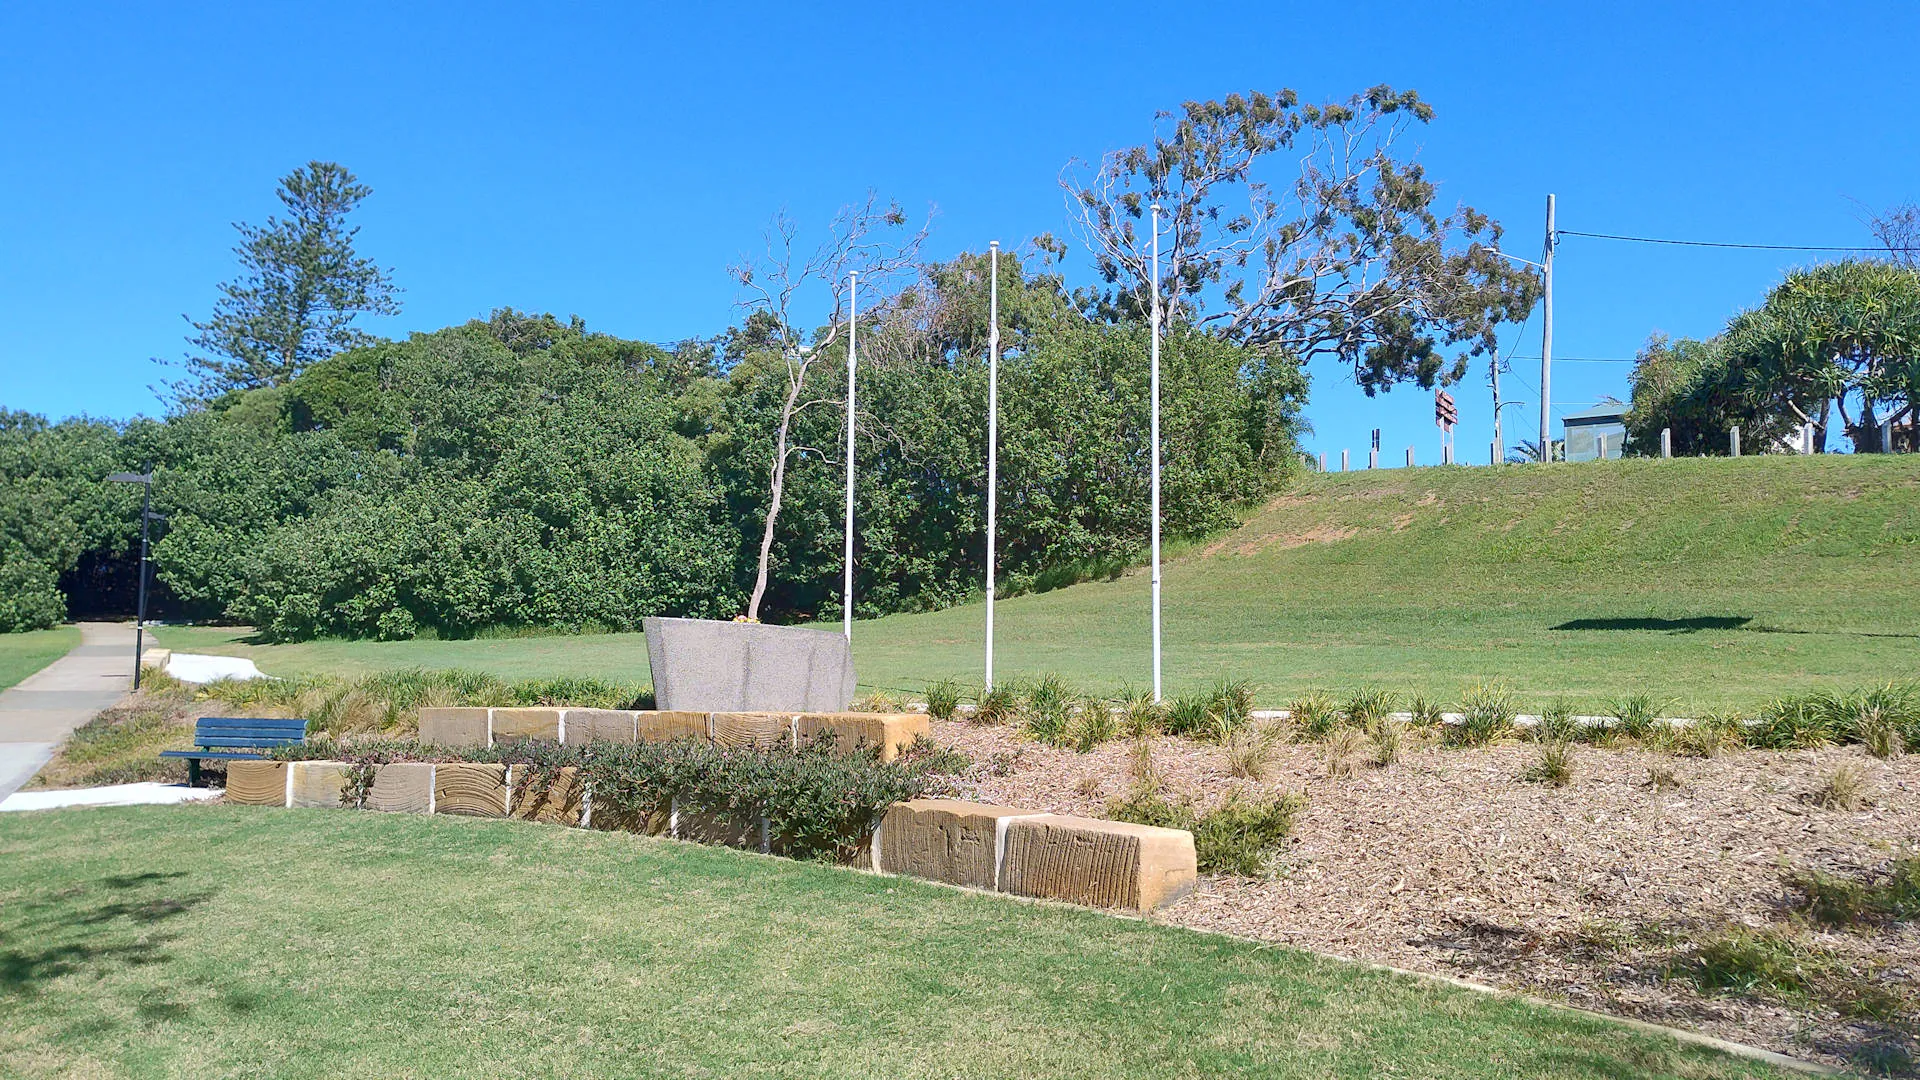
(1546, 348)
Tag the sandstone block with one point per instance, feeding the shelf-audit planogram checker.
(944, 840)
(257, 783)
(454, 727)
(155, 658)
(471, 789)
(1098, 863)
(318, 784)
(405, 788)
(889, 733)
(764, 729)
(599, 725)
(555, 799)
(668, 726)
(713, 666)
(519, 725)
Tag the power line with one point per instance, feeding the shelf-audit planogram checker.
(1584, 359)
(1719, 244)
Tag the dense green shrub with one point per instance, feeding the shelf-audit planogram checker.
(819, 802)
(522, 472)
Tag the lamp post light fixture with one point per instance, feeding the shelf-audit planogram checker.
(145, 480)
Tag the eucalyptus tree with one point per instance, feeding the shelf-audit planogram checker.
(871, 239)
(1304, 231)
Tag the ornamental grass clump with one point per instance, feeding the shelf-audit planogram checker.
(1487, 714)
(943, 699)
(1384, 736)
(1314, 716)
(995, 705)
(1708, 736)
(1633, 716)
(1365, 707)
(1424, 712)
(1230, 707)
(1141, 717)
(1093, 722)
(1250, 752)
(1190, 715)
(1845, 788)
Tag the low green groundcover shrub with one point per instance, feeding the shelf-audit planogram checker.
(1240, 836)
(819, 802)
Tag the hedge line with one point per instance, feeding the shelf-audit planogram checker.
(818, 802)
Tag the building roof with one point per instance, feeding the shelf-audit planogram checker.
(1599, 414)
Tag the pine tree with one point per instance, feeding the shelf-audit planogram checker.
(300, 288)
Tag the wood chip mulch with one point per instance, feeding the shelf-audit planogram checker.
(1448, 861)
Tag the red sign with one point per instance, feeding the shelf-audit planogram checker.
(1444, 412)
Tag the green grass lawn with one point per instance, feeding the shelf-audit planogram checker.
(228, 941)
(1717, 583)
(23, 654)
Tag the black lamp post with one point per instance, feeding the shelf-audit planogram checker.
(146, 516)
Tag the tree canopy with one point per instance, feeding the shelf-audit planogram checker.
(1841, 337)
(301, 286)
(1302, 231)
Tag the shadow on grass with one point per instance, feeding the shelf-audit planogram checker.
(1672, 626)
(1697, 623)
(89, 929)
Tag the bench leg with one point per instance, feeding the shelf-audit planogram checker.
(193, 772)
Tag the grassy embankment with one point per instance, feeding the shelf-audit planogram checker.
(238, 941)
(1712, 583)
(23, 654)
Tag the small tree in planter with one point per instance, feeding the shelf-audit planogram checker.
(867, 239)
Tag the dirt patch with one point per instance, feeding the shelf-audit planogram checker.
(1449, 862)
(1245, 545)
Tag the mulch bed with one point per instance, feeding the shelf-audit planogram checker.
(1449, 862)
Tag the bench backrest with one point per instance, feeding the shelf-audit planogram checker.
(247, 731)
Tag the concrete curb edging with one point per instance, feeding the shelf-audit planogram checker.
(1752, 1053)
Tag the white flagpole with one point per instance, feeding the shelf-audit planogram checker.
(1155, 426)
(853, 323)
(993, 433)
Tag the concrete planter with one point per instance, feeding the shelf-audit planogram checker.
(709, 666)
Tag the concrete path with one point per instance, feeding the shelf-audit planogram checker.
(144, 794)
(37, 715)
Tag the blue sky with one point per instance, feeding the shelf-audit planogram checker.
(611, 161)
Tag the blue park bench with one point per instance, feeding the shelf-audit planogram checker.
(236, 738)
